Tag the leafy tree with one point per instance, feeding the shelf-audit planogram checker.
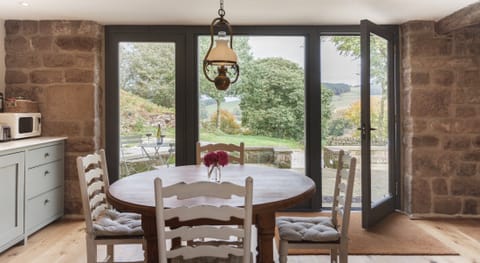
(352, 114)
(272, 98)
(243, 51)
(350, 46)
(148, 70)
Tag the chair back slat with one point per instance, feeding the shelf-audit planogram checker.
(236, 153)
(222, 213)
(204, 251)
(342, 197)
(204, 210)
(183, 191)
(93, 179)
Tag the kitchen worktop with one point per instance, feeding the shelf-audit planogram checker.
(20, 143)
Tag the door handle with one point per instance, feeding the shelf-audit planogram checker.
(364, 129)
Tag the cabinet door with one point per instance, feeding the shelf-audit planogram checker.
(11, 198)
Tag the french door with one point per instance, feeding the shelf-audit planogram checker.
(379, 131)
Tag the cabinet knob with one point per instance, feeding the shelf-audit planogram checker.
(46, 155)
(46, 173)
(46, 201)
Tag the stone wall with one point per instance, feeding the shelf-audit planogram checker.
(2, 58)
(440, 99)
(59, 64)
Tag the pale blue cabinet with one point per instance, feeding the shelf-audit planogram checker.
(12, 178)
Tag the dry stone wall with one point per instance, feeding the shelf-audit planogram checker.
(59, 64)
(440, 99)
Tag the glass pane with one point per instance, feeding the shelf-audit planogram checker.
(265, 108)
(379, 118)
(147, 106)
(340, 89)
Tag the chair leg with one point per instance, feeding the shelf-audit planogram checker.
(91, 250)
(110, 253)
(334, 255)
(344, 253)
(283, 251)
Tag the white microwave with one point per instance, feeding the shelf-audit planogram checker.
(22, 125)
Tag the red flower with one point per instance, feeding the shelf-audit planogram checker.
(215, 158)
(210, 158)
(222, 158)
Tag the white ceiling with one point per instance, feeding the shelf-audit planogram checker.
(238, 12)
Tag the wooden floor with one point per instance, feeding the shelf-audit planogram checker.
(64, 241)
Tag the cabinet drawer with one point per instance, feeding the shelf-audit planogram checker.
(44, 155)
(45, 177)
(43, 209)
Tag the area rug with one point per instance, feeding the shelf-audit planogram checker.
(395, 235)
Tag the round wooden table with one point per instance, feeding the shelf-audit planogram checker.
(273, 189)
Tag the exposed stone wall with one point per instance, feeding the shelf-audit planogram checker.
(440, 99)
(59, 64)
(2, 58)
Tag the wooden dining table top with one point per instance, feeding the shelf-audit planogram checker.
(273, 188)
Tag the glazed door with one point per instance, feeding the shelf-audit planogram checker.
(379, 184)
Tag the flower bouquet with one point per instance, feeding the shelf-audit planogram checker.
(213, 160)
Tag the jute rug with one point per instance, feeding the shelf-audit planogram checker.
(395, 235)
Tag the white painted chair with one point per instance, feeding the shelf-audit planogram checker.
(236, 153)
(221, 242)
(104, 225)
(323, 232)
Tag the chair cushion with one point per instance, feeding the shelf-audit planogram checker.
(114, 223)
(230, 259)
(310, 229)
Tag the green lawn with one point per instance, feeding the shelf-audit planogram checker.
(250, 140)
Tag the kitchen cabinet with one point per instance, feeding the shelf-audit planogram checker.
(31, 188)
(11, 198)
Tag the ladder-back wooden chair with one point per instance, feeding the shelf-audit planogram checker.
(323, 232)
(104, 225)
(236, 153)
(225, 242)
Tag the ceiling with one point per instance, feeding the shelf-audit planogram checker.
(238, 12)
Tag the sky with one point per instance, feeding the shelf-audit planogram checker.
(335, 67)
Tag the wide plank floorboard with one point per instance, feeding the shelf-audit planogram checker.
(64, 242)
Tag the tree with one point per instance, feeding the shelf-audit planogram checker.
(350, 46)
(242, 48)
(148, 70)
(272, 98)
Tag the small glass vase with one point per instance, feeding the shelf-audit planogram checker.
(215, 173)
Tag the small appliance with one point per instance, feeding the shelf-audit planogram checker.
(22, 125)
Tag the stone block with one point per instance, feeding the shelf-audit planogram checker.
(81, 144)
(27, 61)
(430, 103)
(447, 205)
(466, 126)
(42, 43)
(466, 169)
(476, 142)
(71, 102)
(29, 27)
(46, 76)
(465, 186)
(90, 28)
(424, 164)
(470, 207)
(16, 44)
(419, 28)
(85, 61)
(425, 141)
(421, 196)
(420, 78)
(58, 60)
(471, 156)
(465, 111)
(469, 78)
(468, 95)
(443, 78)
(457, 143)
(72, 43)
(431, 47)
(15, 77)
(443, 125)
(12, 27)
(62, 128)
(78, 75)
(439, 186)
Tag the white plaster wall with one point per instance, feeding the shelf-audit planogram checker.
(2, 56)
